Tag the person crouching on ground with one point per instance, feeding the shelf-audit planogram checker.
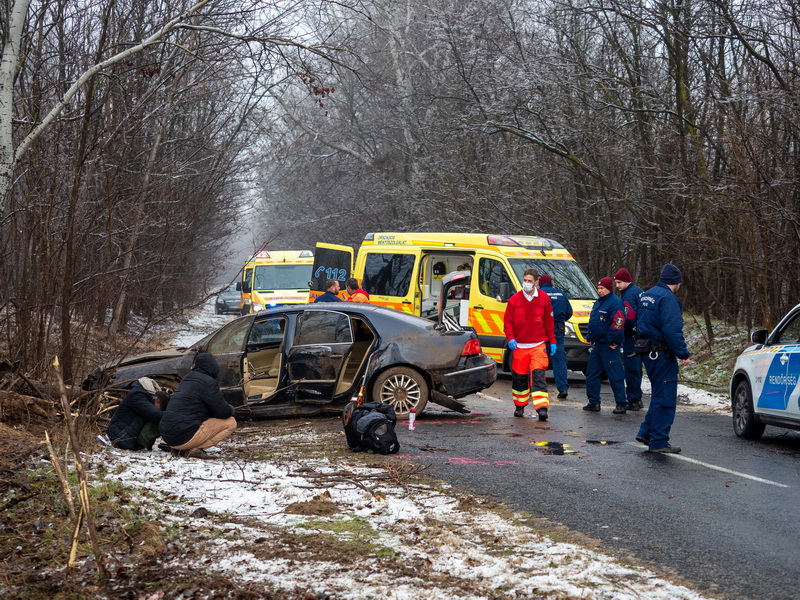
(197, 416)
(134, 425)
(528, 325)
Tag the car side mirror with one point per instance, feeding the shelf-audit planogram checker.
(504, 293)
(238, 286)
(246, 287)
(759, 336)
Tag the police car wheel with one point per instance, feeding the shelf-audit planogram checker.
(745, 424)
(403, 388)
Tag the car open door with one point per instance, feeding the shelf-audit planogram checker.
(323, 340)
(330, 262)
(262, 367)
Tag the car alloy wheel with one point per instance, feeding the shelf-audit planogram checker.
(745, 424)
(403, 388)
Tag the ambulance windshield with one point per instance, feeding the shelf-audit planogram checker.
(566, 274)
(282, 277)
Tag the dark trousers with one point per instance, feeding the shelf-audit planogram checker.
(663, 375)
(633, 371)
(559, 360)
(604, 358)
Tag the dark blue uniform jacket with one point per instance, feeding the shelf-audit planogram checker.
(630, 300)
(197, 398)
(562, 309)
(607, 321)
(130, 416)
(661, 319)
(328, 297)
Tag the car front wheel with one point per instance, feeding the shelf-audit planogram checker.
(745, 424)
(403, 388)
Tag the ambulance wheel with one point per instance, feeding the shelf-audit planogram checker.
(745, 423)
(403, 388)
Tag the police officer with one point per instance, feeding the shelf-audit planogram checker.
(629, 294)
(661, 322)
(562, 312)
(606, 325)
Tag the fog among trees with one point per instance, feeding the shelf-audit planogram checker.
(634, 133)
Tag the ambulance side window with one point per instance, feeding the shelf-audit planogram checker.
(491, 273)
(388, 274)
(791, 333)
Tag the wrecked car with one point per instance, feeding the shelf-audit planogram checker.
(311, 359)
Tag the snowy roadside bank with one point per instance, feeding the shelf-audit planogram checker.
(358, 527)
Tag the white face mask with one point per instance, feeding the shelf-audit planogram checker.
(528, 287)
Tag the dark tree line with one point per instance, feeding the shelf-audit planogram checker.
(133, 136)
(634, 132)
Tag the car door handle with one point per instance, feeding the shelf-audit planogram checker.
(407, 302)
(477, 307)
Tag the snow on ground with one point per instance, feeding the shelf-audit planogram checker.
(469, 551)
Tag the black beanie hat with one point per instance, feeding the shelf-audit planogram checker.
(670, 274)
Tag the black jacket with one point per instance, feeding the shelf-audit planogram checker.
(130, 416)
(197, 399)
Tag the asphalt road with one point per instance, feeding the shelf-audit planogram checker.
(720, 516)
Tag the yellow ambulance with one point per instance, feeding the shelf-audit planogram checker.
(274, 278)
(405, 271)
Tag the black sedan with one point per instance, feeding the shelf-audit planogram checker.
(313, 358)
(228, 302)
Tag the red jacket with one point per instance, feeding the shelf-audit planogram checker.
(529, 322)
(359, 295)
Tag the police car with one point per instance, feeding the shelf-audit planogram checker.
(764, 386)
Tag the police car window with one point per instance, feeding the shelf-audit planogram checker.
(323, 327)
(491, 273)
(230, 338)
(791, 333)
(388, 274)
(566, 274)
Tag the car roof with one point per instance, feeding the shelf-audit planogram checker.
(372, 311)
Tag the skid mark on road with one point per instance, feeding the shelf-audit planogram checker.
(717, 468)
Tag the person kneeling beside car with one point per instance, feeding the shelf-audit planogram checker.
(197, 416)
(134, 425)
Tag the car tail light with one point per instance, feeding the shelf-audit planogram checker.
(472, 346)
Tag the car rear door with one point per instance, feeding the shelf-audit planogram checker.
(330, 262)
(322, 341)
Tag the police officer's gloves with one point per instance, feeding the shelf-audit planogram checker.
(553, 348)
(512, 345)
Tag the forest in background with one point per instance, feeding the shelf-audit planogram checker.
(634, 133)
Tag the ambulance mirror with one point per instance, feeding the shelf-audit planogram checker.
(505, 292)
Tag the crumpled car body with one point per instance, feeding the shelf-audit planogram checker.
(314, 358)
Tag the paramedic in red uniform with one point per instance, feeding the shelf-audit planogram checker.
(530, 336)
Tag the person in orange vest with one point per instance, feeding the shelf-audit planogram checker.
(530, 335)
(355, 293)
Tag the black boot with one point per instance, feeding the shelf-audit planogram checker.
(519, 411)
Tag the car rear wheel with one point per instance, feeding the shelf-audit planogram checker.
(403, 388)
(745, 424)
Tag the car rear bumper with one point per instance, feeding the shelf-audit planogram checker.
(474, 374)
